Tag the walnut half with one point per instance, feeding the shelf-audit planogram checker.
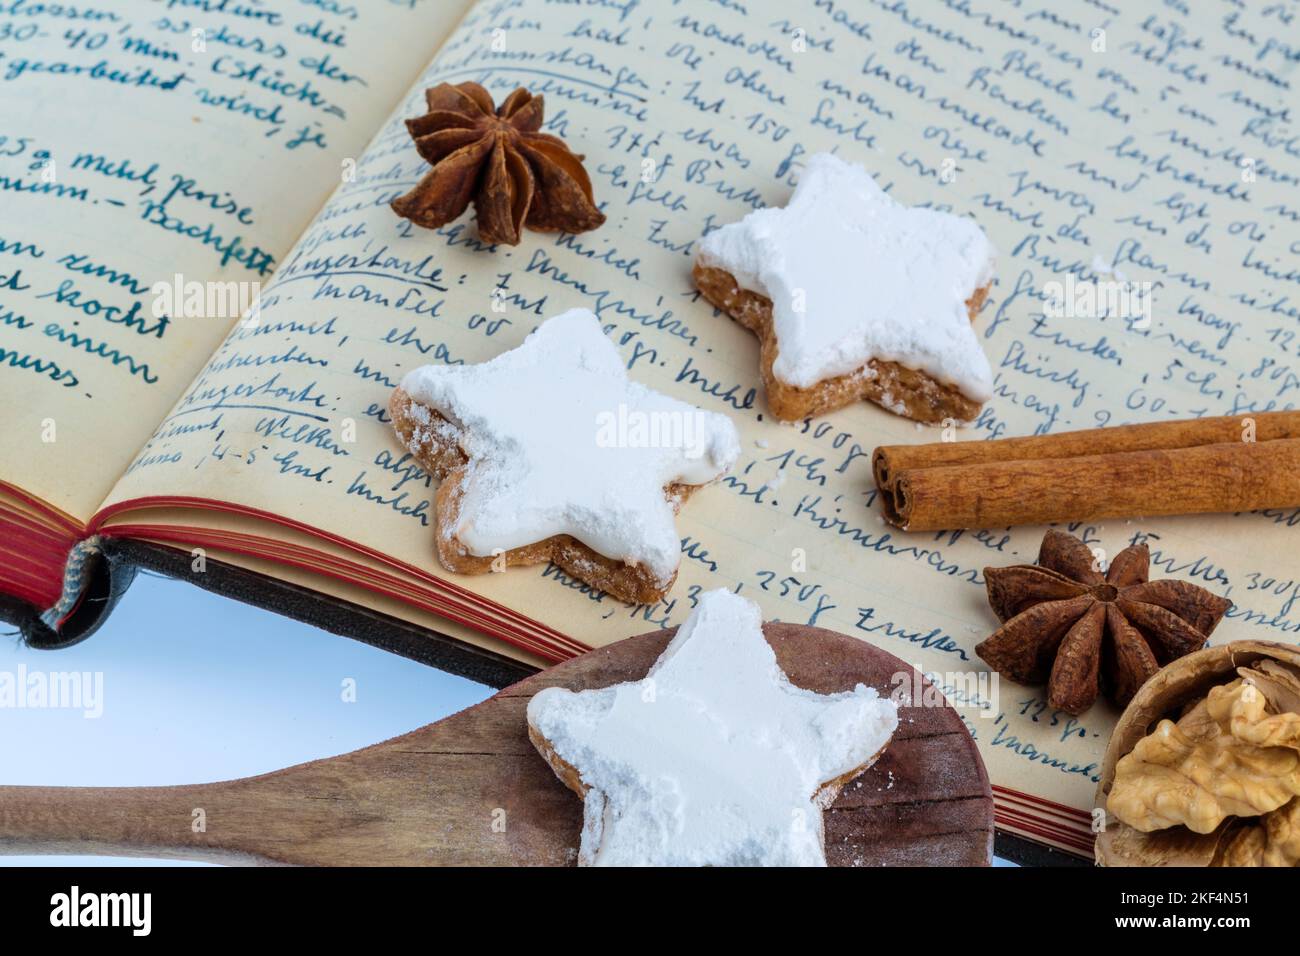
(1273, 841)
(1204, 765)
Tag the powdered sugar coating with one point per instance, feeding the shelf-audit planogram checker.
(854, 276)
(714, 758)
(560, 441)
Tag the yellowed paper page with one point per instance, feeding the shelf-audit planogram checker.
(156, 162)
(1094, 146)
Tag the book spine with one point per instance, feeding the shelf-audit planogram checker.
(94, 580)
(76, 578)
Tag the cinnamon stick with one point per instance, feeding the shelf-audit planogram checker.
(1183, 467)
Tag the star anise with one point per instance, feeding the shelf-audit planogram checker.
(515, 174)
(1085, 632)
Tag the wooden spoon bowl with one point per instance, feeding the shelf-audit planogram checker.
(471, 790)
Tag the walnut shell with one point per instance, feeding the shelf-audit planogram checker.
(1169, 694)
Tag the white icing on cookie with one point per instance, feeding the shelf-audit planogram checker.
(713, 758)
(559, 441)
(854, 275)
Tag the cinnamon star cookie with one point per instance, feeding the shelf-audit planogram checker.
(549, 452)
(714, 758)
(853, 295)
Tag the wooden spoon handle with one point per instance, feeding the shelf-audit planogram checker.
(117, 821)
(471, 789)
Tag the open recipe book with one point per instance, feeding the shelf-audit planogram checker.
(157, 156)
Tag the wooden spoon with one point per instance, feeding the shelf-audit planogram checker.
(471, 790)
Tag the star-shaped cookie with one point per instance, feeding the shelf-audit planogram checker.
(550, 452)
(853, 295)
(714, 758)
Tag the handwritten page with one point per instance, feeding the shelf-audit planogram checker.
(175, 143)
(1094, 143)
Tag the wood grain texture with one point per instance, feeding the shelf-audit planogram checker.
(431, 797)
